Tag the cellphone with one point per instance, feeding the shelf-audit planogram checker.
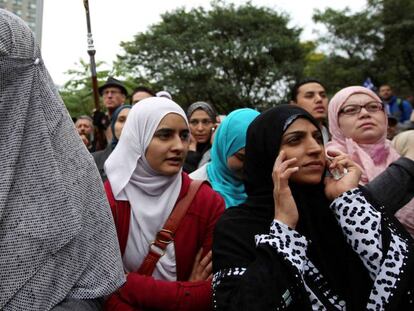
(335, 173)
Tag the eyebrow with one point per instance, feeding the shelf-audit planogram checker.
(360, 103)
(313, 92)
(293, 133)
(298, 133)
(164, 130)
(200, 119)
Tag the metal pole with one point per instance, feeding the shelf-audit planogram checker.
(91, 52)
(39, 21)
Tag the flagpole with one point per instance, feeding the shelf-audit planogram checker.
(91, 52)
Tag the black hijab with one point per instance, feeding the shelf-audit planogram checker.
(328, 249)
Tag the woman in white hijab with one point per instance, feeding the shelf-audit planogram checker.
(145, 182)
(58, 247)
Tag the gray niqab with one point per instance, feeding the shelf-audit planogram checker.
(57, 237)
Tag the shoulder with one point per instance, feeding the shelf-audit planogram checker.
(200, 173)
(110, 195)
(237, 219)
(206, 201)
(234, 236)
(97, 154)
(406, 103)
(102, 155)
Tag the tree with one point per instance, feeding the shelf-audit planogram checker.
(397, 55)
(229, 56)
(77, 92)
(375, 42)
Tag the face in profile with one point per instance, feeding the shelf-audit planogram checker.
(303, 141)
(312, 97)
(235, 163)
(201, 126)
(169, 145)
(363, 119)
(120, 122)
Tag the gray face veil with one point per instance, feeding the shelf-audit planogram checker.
(57, 238)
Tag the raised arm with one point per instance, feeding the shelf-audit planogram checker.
(394, 187)
(385, 251)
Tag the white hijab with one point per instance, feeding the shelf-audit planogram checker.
(152, 196)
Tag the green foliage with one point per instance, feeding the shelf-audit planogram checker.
(353, 35)
(230, 56)
(77, 93)
(397, 56)
(247, 56)
(376, 42)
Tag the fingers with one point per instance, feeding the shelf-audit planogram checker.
(198, 256)
(206, 265)
(203, 268)
(334, 153)
(342, 158)
(206, 260)
(281, 165)
(208, 270)
(280, 158)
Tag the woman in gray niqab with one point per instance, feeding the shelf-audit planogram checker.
(57, 239)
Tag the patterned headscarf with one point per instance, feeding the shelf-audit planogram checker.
(57, 237)
(202, 106)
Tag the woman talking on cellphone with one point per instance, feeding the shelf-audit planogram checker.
(302, 241)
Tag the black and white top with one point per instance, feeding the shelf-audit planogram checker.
(295, 283)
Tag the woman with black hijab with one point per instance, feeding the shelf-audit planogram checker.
(324, 246)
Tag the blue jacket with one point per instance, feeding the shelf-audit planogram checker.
(401, 109)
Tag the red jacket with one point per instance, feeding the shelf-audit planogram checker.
(194, 232)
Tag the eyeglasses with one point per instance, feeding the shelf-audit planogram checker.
(352, 110)
(204, 122)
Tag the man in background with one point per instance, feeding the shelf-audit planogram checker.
(141, 92)
(84, 126)
(397, 107)
(310, 95)
(113, 94)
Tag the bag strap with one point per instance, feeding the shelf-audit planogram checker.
(166, 235)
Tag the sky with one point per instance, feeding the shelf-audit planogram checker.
(64, 25)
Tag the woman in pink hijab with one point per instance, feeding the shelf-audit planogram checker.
(358, 125)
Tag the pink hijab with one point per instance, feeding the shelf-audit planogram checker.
(373, 158)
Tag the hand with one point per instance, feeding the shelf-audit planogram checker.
(193, 143)
(202, 269)
(341, 161)
(285, 206)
